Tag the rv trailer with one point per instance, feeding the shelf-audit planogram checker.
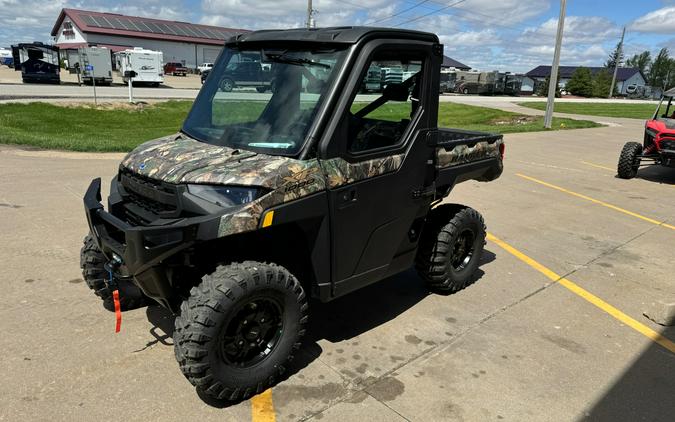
(37, 62)
(95, 63)
(147, 65)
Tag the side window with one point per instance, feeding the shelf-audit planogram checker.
(394, 77)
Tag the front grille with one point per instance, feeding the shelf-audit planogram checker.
(146, 199)
(667, 144)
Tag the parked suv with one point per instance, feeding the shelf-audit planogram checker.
(204, 66)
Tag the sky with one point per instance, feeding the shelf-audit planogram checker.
(509, 35)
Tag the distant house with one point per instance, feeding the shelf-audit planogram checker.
(450, 62)
(625, 76)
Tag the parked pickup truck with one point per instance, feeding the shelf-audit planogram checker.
(175, 68)
(263, 200)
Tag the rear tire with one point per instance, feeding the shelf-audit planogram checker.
(450, 248)
(239, 329)
(629, 160)
(93, 273)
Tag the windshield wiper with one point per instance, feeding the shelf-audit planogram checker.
(295, 61)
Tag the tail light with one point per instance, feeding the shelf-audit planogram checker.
(501, 150)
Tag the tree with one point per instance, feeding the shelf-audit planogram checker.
(542, 87)
(581, 83)
(642, 61)
(659, 70)
(601, 84)
(612, 59)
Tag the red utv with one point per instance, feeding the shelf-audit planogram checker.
(659, 144)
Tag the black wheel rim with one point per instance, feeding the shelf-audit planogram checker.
(462, 250)
(252, 333)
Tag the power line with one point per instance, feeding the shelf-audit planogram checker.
(431, 13)
(399, 13)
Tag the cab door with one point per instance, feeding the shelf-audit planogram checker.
(379, 182)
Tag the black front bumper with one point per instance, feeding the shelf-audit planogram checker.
(143, 250)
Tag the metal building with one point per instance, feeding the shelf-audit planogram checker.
(188, 43)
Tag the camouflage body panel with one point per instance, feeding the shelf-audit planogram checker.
(340, 172)
(180, 159)
(462, 154)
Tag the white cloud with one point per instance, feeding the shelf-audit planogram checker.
(578, 30)
(482, 38)
(32, 20)
(504, 12)
(289, 13)
(661, 21)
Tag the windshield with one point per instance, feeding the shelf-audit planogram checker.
(263, 100)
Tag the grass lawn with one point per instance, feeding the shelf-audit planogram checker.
(633, 111)
(119, 128)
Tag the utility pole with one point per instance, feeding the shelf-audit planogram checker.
(553, 79)
(617, 59)
(310, 14)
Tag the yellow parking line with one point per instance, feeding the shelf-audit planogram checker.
(597, 201)
(262, 407)
(598, 166)
(586, 295)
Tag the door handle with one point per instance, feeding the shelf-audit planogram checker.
(347, 197)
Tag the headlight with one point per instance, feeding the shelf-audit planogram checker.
(226, 196)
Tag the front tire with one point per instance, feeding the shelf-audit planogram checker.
(226, 85)
(629, 160)
(93, 273)
(450, 248)
(239, 329)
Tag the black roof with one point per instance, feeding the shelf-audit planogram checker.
(450, 62)
(566, 72)
(337, 35)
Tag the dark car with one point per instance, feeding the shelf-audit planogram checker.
(175, 68)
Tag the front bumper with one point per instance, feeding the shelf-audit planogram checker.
(144, 249)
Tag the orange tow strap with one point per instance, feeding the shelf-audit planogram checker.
(118, 310)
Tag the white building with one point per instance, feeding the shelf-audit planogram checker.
(187, 43)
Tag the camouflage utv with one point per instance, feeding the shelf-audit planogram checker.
(265, 199)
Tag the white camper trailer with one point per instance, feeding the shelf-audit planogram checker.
(147, 64)
(96, 63)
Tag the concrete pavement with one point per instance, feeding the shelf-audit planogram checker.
(512, 346)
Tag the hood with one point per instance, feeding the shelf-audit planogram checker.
(662, 124)
(180, 159)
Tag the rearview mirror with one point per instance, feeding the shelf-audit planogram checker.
(396, 92)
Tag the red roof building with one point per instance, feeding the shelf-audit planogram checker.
(191, 44)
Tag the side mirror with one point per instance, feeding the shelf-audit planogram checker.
(130, 74)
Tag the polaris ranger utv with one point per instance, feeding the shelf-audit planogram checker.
(658, 146)
(264, 199)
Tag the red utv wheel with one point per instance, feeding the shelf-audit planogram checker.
(629, 160)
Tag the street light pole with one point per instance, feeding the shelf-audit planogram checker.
(553, 79)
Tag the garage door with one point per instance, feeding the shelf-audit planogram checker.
(210, 54)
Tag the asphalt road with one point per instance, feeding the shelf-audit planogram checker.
(519, 344)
